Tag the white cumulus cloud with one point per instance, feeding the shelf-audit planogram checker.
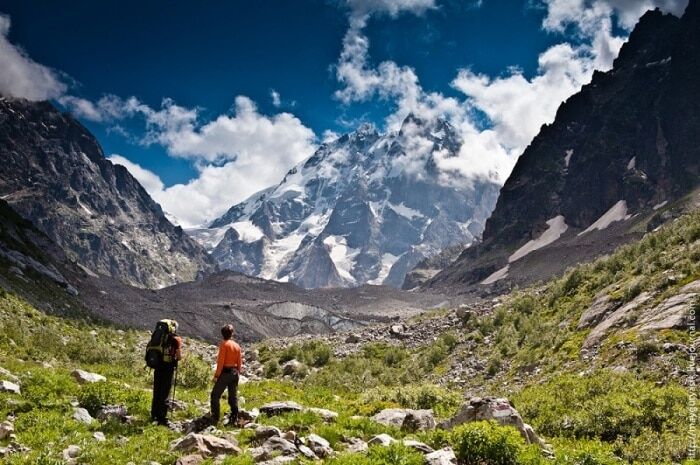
(22, 77)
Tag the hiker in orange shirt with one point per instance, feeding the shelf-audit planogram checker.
(228, 367)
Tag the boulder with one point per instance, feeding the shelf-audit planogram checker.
(193, 459)
(406, 419)
(498, 409)
(8, 386)
(418, 420)
(112, 412)
(381, 440)
(417, 445)
(274, 446)
(353, 445)
(292, 367)
(398, 331)
(248, 416)
(319, 445)
(7, 374)
(444, 456)
(352, 339)
(99, 436)
(205, 444)
(264, 432)
(307, 452)
(84, 377)
(328, 416)
(6, 429)
(278, 408)
(71, 453)
(81, 415)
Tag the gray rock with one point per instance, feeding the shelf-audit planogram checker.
(82, 415)
(381, 440)
(84, 377)
(6, 374)
(71, 453)
(619, 317)
(417, 445)
(204, 444)
(354, 445)
(99, 436)
(352, 339)
(278, 408)
(307, 452)
(193, 459)
(8, 386)
(498, 409)
(602, 305)
(407, 419)
(444, 456)
(277, 445)
(249, 416)
(328, 416)
(672, 313)
(263, 432)
(319, 445)
(6, 429)
(292, 367)
(113, 412)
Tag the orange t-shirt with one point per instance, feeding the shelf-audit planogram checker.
(229, 357)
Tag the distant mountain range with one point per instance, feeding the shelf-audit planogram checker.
(54, 173)
(610, 167)
(365, 208)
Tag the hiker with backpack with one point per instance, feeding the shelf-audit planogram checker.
(163, 352)
(228, 368)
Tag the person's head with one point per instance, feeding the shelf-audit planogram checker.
(227, 332)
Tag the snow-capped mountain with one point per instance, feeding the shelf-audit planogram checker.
(365, 208)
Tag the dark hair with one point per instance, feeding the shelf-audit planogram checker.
(227, 331)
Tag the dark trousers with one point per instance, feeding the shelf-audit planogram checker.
(227, 380)
(162, 382)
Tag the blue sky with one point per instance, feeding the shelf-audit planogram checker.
(497, 69)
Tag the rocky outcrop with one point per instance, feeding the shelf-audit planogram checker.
(85, 377)
(406, 419)
(54, 173)
(497, 409)
(626, 144)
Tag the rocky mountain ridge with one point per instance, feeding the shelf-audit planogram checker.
(54, 173)
(619, 152)
(364, 209)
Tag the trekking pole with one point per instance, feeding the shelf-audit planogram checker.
(172, 400)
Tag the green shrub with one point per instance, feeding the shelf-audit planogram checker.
(271, 369)
(194, 372)
(94, 396)
(425, 396)
(486, 442)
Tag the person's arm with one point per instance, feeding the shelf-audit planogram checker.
(239, 365)
(219, 363)
(178, 350)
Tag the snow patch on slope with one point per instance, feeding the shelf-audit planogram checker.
(496, 276)
(405, 211)
(617, 212)
(343, 256)
(557, 227)
(388, 261)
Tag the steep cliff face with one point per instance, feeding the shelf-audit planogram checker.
(365, 208)
(54, 173)
(627, 144)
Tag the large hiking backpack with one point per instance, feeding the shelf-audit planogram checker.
(158, 348)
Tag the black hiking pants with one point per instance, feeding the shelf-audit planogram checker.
(162, 383)
(227, 380)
